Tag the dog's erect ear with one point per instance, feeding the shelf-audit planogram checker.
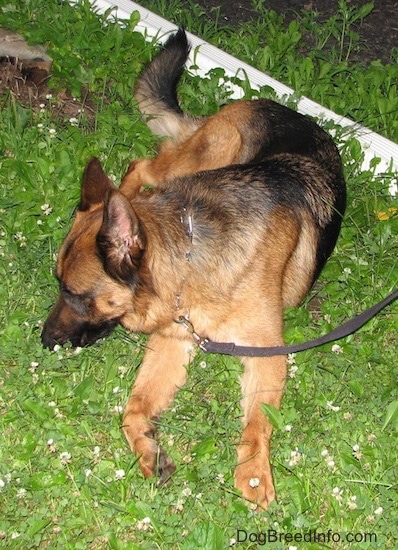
(120, 240)
(95, 185)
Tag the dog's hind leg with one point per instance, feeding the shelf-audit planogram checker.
(161, 374)
(215, 144)
(262, 382)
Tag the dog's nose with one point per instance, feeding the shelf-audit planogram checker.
(50, 339)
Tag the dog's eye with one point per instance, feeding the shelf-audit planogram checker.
(66, 290)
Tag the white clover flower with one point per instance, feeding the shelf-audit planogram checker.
(20, 237)
(337, 493)
(49, 96)
(325, 453)
(186, 492)
(96, 450)
(116, 390)
(356, 452)
(51, 446)
(88, 472)
(144, 524)
(46, 209)
(122, 371)
(351, 503)
(120, 474)
(254, 482)
(179, 506)
(378, 511)
(288, 428)
(332, 407)
(330, 463)
(220, 478)
(15, 535)
(337, 349)
(292, 371)
(73, 121)
(2, 484)
(232, 542)
(21, 493)
(295, 457)
(117, 409)
(65, 457)
(203, 364)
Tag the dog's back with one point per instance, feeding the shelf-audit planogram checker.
(242, 132)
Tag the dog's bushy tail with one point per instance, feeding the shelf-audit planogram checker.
(156, 90)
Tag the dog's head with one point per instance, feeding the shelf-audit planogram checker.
(98, 264)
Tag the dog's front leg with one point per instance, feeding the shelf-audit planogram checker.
(161, 374)
(262, 382)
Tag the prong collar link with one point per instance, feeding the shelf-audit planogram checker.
(186, 323)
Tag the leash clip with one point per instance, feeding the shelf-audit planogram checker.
(186, 323)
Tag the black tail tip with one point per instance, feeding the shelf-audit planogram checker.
(178, 39)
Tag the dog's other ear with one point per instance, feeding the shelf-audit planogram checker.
(120, 240)
(95, 185)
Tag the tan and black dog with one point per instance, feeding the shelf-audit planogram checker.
(225, 247)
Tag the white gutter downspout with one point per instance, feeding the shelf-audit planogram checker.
(208, 57)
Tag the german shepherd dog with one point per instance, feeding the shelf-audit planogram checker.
(244, 210)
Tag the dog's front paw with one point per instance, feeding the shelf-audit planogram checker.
(253, 479)
(152, 459)
(165, 468)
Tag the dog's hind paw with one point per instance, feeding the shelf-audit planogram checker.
(254, 481)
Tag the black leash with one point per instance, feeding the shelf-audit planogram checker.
(347, 328)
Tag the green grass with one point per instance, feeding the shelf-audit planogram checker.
(67, 478)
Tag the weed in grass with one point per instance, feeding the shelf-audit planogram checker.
(67, 479)
(340, 28)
